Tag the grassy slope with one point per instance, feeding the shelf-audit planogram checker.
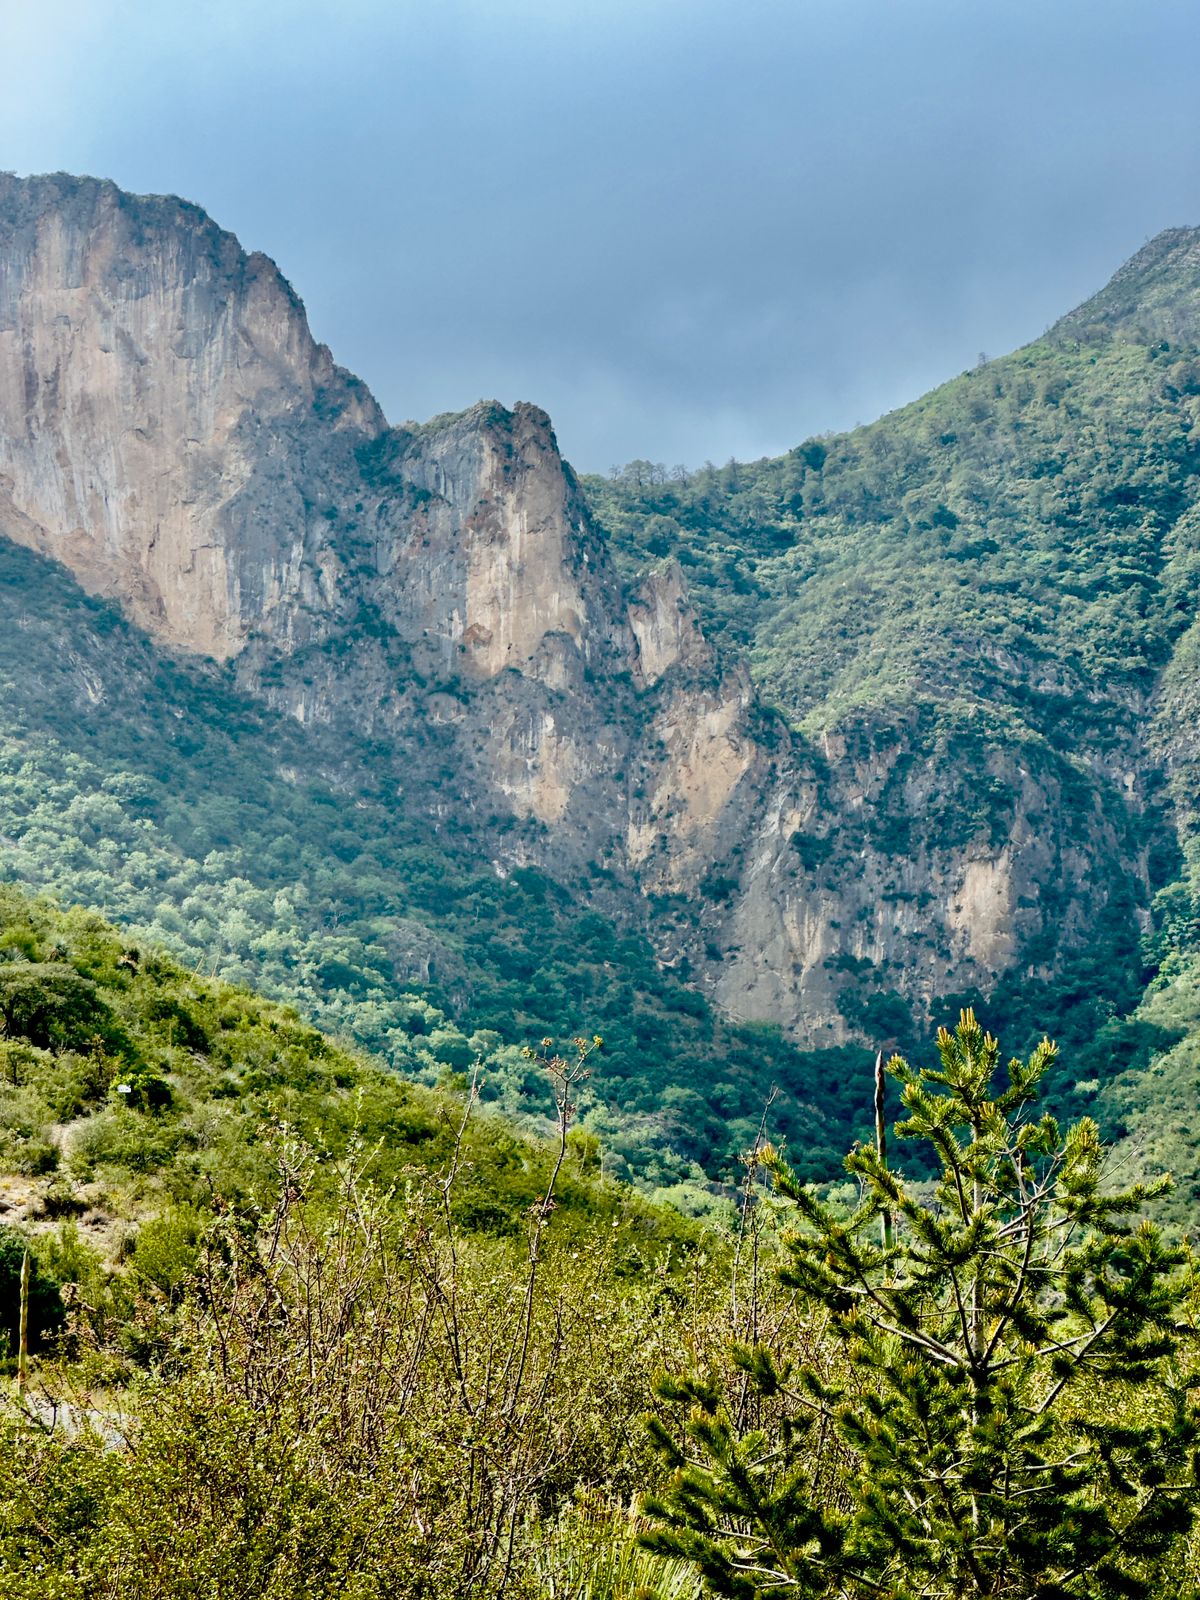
(305, 1317)
(212, 1075)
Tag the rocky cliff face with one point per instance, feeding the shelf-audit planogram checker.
(167, 416)
(170, 432)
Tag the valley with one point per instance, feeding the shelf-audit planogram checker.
(449, 911)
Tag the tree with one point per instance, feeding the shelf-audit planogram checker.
(1005, 1389)
(51, 1005)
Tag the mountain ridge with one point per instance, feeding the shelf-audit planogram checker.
(851, 733)
(454, 552)
(987, 584)
(1165, 256)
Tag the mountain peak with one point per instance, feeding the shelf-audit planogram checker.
(167, 415)
(1155, 295)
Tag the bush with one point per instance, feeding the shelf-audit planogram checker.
(52, 1006)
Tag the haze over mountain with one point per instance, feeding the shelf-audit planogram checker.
(895, 719)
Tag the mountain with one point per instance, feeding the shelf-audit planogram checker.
(985, 600)
(174, 437)
(843, 738)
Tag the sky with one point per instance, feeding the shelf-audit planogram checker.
(690, 229)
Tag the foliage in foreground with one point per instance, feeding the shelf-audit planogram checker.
(329, 1333)
(345, 1374)
(134, 1100)
(1009, 1403)
(355, 1397)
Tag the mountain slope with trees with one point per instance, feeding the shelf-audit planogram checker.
(997, 585)
(296, 1326)
(897, 722)
(441, 595)
(136, 1091)
(258, 851)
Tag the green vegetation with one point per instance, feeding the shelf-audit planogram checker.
(306, 1327)
(131, 1088)
(1019, 536)
(1002, 1413)
(343, 1336)
(265, 853)
(349, 1394)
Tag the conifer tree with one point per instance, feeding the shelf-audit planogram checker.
(1006, 1387)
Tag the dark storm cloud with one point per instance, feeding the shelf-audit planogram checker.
(689, 230)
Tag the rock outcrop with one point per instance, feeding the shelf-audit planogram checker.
(167, 417)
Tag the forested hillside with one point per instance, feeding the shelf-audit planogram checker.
(213, 1201)
(139, 1094)
(262, 852)
(939, 786)
(277, 1322)
(1000, 579)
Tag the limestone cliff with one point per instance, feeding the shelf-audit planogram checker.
(166, 414)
